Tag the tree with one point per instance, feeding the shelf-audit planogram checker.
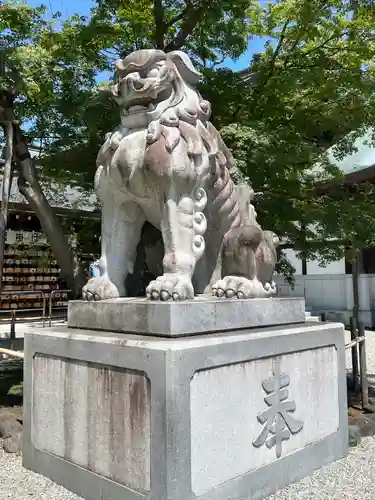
(311, 88)
(209, 31)
(48, 80)
(35, 71)
(311, 85)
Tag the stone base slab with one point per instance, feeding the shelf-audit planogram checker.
(173, 319)
(213, 417)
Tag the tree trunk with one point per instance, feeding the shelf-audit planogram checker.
(30, 188)
(7, 184)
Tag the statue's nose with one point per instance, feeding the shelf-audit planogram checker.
(136, 82)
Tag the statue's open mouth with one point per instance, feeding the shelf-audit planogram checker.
(147, 102)
(138, 108)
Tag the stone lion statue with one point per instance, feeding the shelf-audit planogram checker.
(167, 164)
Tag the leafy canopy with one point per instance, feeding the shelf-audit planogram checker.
(311, 85)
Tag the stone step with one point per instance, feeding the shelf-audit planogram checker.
(312, 318)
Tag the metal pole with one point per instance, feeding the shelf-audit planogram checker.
(363, 367)
(51, 295)
(12, 328)
(13, 324)
(355, 277)
(50, 308)
(355, 370)
(44, 309)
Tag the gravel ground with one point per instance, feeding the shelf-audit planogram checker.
(351, 478)
(16, 483)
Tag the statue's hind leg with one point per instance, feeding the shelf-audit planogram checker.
(239, 265)
(242, 255)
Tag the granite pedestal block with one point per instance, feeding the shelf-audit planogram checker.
(235, 415)
(204, 314)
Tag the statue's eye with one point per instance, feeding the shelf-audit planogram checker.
(153, 73)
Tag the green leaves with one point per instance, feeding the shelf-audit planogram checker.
(313, 83)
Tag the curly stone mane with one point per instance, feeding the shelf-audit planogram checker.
(186, 124)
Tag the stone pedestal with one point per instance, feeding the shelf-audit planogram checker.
(204, 314)
(230, 415)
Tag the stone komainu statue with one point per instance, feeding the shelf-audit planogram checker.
(167, 164)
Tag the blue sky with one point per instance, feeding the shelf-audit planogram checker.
(82, 7)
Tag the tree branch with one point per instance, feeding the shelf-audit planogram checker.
(323, 44)
(29, 186)
(160, 27)
(192, 19)
(217, 63)
(291, 51)
(259, 88)
(175, 19)
(278, 48)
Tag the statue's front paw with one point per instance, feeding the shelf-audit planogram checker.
(99, 289)
(242, 288)
(170, 287)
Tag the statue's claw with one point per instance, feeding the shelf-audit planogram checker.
(242, 288)
(170, 286)
(98, 289)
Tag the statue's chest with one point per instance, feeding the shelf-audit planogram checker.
(128, 159)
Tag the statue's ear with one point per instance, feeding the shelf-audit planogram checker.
(185, 67)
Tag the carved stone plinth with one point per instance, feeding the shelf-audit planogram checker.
(173, 319)
(210, 417)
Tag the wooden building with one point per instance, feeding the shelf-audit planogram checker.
(329, 289)
(30, 270)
